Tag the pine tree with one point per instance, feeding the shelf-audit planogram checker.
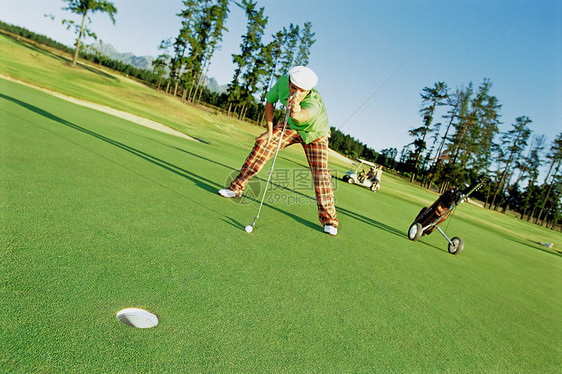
(514, 142)
(210, 28)
(83, 8)
(271, 54)
(306, 42)
(239, 91)
(454, 102)
(530, 169)
(291, 41)
(431, 99)
(555, 155)
(181, 42)
(489, 118)
(461, 124)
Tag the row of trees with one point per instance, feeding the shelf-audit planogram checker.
(144, 75)
(457, 141)
(257, 65)
(85, 8)
(353, 148)
(202, 27)
(470, 145)
(183, 65)
(30, 35)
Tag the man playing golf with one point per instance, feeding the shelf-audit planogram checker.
(308, 125)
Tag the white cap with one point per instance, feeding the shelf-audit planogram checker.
(303, 77)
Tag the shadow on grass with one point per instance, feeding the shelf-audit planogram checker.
(444, 248)
(63, 59)
(302, 165)
(201, 182)
(380, 225)
(205, 159)
(370, 221)
(526, 242)
(540, 247)
(232, 222)
(240, 225)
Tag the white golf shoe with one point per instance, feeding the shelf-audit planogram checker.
(331, 230)
(229, 194)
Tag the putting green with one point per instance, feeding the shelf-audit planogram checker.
(101, 214)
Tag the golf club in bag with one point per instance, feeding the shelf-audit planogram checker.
(429, 219)
(250, 227)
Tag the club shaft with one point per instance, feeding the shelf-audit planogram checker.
(273, 163)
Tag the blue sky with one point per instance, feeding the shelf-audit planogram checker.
(373, 58)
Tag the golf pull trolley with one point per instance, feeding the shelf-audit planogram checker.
(429, 219)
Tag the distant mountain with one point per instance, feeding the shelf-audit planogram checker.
(145, 62)
(213, 85)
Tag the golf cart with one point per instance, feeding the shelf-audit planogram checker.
(429, 219)
(359, 176)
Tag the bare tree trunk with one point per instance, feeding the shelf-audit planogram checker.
(487, 199)
(547, 194)
(200, 81)
(242, 112)
(75, 57)
(501, 185)
(496, 193)
(532, 214)
(191, 86)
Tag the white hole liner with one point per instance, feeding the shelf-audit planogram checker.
(137, 318)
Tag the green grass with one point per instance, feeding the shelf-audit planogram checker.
(99, 214)
(53, 70)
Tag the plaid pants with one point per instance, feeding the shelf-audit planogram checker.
(317, 156)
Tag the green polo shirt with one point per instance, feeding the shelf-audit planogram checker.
(317, 125)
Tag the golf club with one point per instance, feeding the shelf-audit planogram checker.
(250, 227)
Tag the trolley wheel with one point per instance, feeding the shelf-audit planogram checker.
(350, 180)
(456, 246)
(415, 232)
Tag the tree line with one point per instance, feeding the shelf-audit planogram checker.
(184, 63)
(25, 33)
(144, 75)
(459, 141)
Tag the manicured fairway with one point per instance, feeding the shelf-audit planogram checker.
(99, 214)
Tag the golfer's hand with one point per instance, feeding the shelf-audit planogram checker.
(266, 136)
(293, 105)
(295, 108)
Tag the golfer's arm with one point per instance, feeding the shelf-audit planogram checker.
(302, 115)
(269, 115)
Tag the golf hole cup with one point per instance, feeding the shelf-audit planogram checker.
(138, 318)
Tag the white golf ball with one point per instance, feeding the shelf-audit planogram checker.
(249, 228)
